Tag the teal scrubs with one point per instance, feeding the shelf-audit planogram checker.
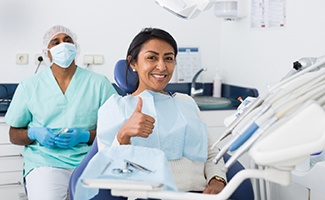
(39, 102)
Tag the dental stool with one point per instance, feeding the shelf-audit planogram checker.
(127, 81)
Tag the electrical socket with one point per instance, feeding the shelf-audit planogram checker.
(22, 59)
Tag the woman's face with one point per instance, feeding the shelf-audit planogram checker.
(155, 65)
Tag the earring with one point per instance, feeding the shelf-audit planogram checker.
(133, 70)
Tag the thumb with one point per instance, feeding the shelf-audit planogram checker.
(139, 105)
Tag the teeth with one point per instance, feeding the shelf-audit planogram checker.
(158, 76)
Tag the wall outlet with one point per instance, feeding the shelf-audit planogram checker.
(22, 59)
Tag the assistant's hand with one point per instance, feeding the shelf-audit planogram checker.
(45, 136)
(71, 138)
(138, 124)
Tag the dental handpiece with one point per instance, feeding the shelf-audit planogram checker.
(62, 131)
(232, 126)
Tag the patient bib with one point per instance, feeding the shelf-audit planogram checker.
(178, 131)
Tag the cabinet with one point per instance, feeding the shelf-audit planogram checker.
(11, 166)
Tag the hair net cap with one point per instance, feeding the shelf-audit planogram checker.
(57, 30)
(49, 35)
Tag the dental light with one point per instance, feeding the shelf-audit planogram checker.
(187, 9)
(229, 10)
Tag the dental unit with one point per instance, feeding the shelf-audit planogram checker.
(286, 99)
(271, 91)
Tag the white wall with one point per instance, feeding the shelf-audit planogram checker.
(247, 57)
(258, 58)
(103, 27)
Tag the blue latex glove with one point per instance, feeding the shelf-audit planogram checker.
(45, 136)
(72, 138)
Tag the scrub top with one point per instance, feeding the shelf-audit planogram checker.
(39, 102)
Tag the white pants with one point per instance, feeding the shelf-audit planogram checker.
(48, 183)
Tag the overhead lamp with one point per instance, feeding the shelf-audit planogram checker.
(231, 9)
(189, 9)
(186, 9)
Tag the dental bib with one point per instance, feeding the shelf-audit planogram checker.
(178, 130)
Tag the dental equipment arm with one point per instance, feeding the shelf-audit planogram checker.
(267, 121)
(259, 100)
(300, 65)
(249, 126)
(280, 94)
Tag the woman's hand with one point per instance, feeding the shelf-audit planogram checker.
(214, 187)
(138, 124)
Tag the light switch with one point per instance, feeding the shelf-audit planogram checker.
(98, 59)
(88, 59)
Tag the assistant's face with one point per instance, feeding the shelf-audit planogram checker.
(155, 65)
(58, 39)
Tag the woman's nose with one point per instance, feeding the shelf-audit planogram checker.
(161, 65)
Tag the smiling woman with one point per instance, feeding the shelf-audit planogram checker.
(147, 118)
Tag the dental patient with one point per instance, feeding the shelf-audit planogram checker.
(155, 118)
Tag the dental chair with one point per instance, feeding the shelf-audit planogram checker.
(127, 81)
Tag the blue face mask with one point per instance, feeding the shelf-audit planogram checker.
(63, 54)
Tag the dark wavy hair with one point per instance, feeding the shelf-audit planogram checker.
(144, 36)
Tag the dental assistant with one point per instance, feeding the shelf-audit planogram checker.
(54, 115)
(152, 117)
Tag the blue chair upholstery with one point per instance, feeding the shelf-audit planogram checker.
(126, 79)
(245, 190)
(121, 73)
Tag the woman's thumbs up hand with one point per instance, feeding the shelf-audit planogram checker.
(138, 124)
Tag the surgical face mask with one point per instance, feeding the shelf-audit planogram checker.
(63, 54)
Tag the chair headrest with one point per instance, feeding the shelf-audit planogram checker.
(126, 79)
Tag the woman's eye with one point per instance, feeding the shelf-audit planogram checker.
(151, 57)
(170, 59)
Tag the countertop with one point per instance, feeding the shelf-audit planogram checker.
(231, 92)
